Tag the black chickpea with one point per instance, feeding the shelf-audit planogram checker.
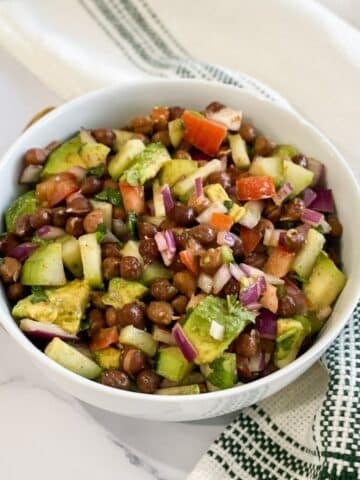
(263, 146)
(74, 226)
(203, 233)
(133, 361)
(115, 379)
(223, 178)
(130, 268)
(22, 226)
(10, 269)
(92, 220)
(147, 381)
(111, 267)
(111, 317)
(185, 283)
(247, 344)
(179, 304)
(163, 137)
(15, 292)
(104, 135)
(161, 289)
(91, 185)
(148, 250)
(160, 313)
(7, 243)
(35, 156)
(248, 132)
(142, 125)
(96, 299)
(146, 230)
(59, 216)
(78, 205)
(97, 321)
(40, 218)
(110, 250)
(132, 314)
(182, 215)
(294, 239)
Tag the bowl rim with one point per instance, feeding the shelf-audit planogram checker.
(307, 358)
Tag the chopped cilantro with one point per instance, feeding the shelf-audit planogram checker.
(38, 295)
(110, 195)
(228, 204)
(100, 232)
(96, 171)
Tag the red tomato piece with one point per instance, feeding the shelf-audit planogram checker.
(250, 239)
(133, 197)
(55, 189)
(202, 133)
(104, 338)
(255, 188)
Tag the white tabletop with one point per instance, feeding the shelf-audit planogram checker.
(43, 430)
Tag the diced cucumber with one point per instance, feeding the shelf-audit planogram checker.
(91, 259)
(131, 249)
(325, 283)
(106, 209)
(289, 338)
(286, 152)
(44, 267)
(153, 271)
(176, 131)
(159, 206)
(125, 157)
(238, 151)
(172, 364)
(299, 177)
(181, 390)
(221, 373)
(305, 259)
(121, 291)
(174, 170)
(269, 166)
(121, 137)
(137, 338)
(163, 336)
(185, 186)
(71, 256)
(70, 358)
(108, 358)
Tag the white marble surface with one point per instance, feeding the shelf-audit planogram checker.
(46, 434)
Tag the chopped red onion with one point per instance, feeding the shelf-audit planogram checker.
(199, 192)
(30, 174)
(170, 241)
(303, 228)
(311, 217)
(252, 293)
(252, 214)
(161, 241)
(251, 271)
(216, 207)
(317, 168)
(308, 196)
(49, 232)
(225, 238)
(183, 343)
(205, 282)
(236, 271)
(86, 136)
(228, 117)
(23, 251)
(266, 324)
(167, 197)
(221, 277)
(282, 194)
(44, 330)
(324, 201)
(78, 172)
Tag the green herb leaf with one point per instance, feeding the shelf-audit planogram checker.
(38, 295)
(110, 195)
(131, 225)
(96, 171)
(228, 204)
(100, 232)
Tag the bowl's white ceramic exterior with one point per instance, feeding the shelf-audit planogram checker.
(113, 107)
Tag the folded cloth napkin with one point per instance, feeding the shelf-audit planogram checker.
(310, 430)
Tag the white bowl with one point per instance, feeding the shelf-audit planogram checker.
(112, 107)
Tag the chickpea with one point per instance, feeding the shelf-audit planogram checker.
(175, 112)
(263, 146)
(210, 261)
(111, 267)
(203, 233)
(142, 125)
(115, 379)
(223, 178)
(59, 216)
(162, 137)
(130, 268)
(294, 239)
(182, 215)
(91, 185)
(214, 107)
(146, 230)
(300, 160)
(160, 313)
(248, 132)
(15, 292)
(247, 344)
(133, 362)
(256, 259)
(179, 304)
(77, 204)
(118, 213)
(104, 135)
(97, 321)
(111, 317)
(132, 314)
(74, 226)
(148, 250)
(35, 156)
(10, 269)
(272, 212)
(110, 183)
(22, 226)
(292, 210)
(7, 243)
(181, 236)
(147, 381)
(161, 289)
(93, 220)
(185, 283)
(40, 218)
(110, 250)
(336, 227)
(96, 299)
(232, 287)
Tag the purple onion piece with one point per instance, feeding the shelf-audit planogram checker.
(198, 187)
(266, 324)
(309, 196)
(312, 217)
(167, 198)
(49, 232)
(183, 343)
(23, 251)
(44, 330)
(324, 201)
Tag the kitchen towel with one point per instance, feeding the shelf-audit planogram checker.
(310, 430)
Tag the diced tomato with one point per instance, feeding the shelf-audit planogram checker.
(270, 299)
(279, 262)
(133, 197)
(250, 239)
(104, 338)
(221, 221)
(202, 133)
(255, 188)
(55, 189)
(189, 259)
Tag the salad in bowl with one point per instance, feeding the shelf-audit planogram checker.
(183, 253)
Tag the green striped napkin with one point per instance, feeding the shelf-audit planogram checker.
(311, 429)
